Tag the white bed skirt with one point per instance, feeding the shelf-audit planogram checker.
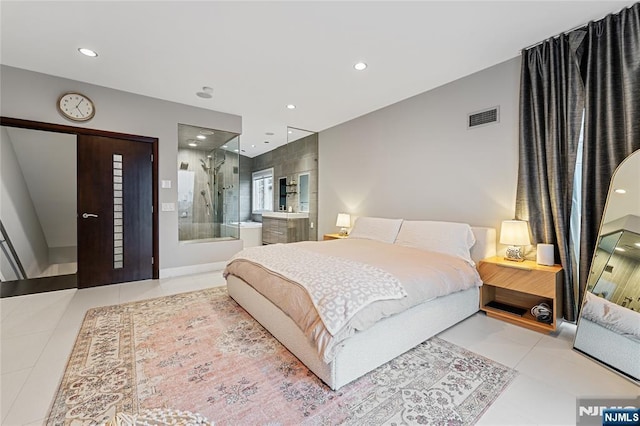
(366, 350)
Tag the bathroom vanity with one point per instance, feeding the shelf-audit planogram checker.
(284, 227)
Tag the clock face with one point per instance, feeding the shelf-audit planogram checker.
(77, 107)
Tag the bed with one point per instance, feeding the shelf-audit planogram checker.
(265, 281)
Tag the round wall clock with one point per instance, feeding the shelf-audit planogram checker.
(76, 107)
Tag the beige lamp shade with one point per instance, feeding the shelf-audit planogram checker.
(515, 233)
(343, 221)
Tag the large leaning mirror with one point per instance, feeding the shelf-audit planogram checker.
(609, 325)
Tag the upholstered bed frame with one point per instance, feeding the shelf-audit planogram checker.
(387, 339)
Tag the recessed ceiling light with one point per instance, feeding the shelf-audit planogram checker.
(253, 146)
(225, 146)
(360, 66)
(619, 249)
(290, 131)
(88, 52)
(193, 143)
(620, 191)
(235, 150)
(206, 93)
(637, 244)
(269, 133)
(291, 106)
(201, 137)
(206, 132)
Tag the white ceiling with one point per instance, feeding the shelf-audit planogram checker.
(260, 56)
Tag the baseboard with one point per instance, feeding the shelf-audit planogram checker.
(192, 269)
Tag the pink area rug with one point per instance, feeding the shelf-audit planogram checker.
(201, 353)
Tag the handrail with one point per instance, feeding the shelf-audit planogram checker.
(14, 260)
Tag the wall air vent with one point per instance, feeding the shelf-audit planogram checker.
(484, 117)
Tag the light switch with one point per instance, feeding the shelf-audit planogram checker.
(168, 207)
(166, 184)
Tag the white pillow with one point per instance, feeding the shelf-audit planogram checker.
(376, 228)
(593, 307)
(455, 239)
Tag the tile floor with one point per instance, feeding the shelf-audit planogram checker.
(39, 330)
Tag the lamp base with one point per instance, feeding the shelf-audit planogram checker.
(514, 254)
(343, 232)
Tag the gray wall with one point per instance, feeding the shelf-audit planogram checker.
(19, 215)
(32, 96)
(416, 159)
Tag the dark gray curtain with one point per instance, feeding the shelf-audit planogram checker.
(598, 69)
(611, 73)
(551, 105)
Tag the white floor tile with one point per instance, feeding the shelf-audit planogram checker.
(20, 352)
(530, 401)
(9, 388)
(35, 398)
(9, 305)
(130, 292)
(37, 313)
(573, 373)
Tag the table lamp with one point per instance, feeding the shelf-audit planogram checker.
(514, 233)
(344, 221)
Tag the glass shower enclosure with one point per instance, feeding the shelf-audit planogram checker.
(208, 184)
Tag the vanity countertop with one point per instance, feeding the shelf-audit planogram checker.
(286, 215)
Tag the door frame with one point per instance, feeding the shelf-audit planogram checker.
(62, 128)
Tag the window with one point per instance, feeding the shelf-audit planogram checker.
(262, 199)
(576, 210)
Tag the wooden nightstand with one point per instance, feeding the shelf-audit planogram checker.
(333, 236)
(523, 285)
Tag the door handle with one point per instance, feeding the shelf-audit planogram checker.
(87, 215)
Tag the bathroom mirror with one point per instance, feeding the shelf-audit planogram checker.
(208, 184)
(608, 328)
(303, 192)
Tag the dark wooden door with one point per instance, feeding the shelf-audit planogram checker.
(115, 213)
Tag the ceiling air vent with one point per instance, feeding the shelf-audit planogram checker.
(484, 117)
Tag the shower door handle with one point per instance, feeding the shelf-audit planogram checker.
(87, 215)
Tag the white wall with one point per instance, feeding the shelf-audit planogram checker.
(417, 160)
(48, 163)
(32, 96)
(19, 215)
